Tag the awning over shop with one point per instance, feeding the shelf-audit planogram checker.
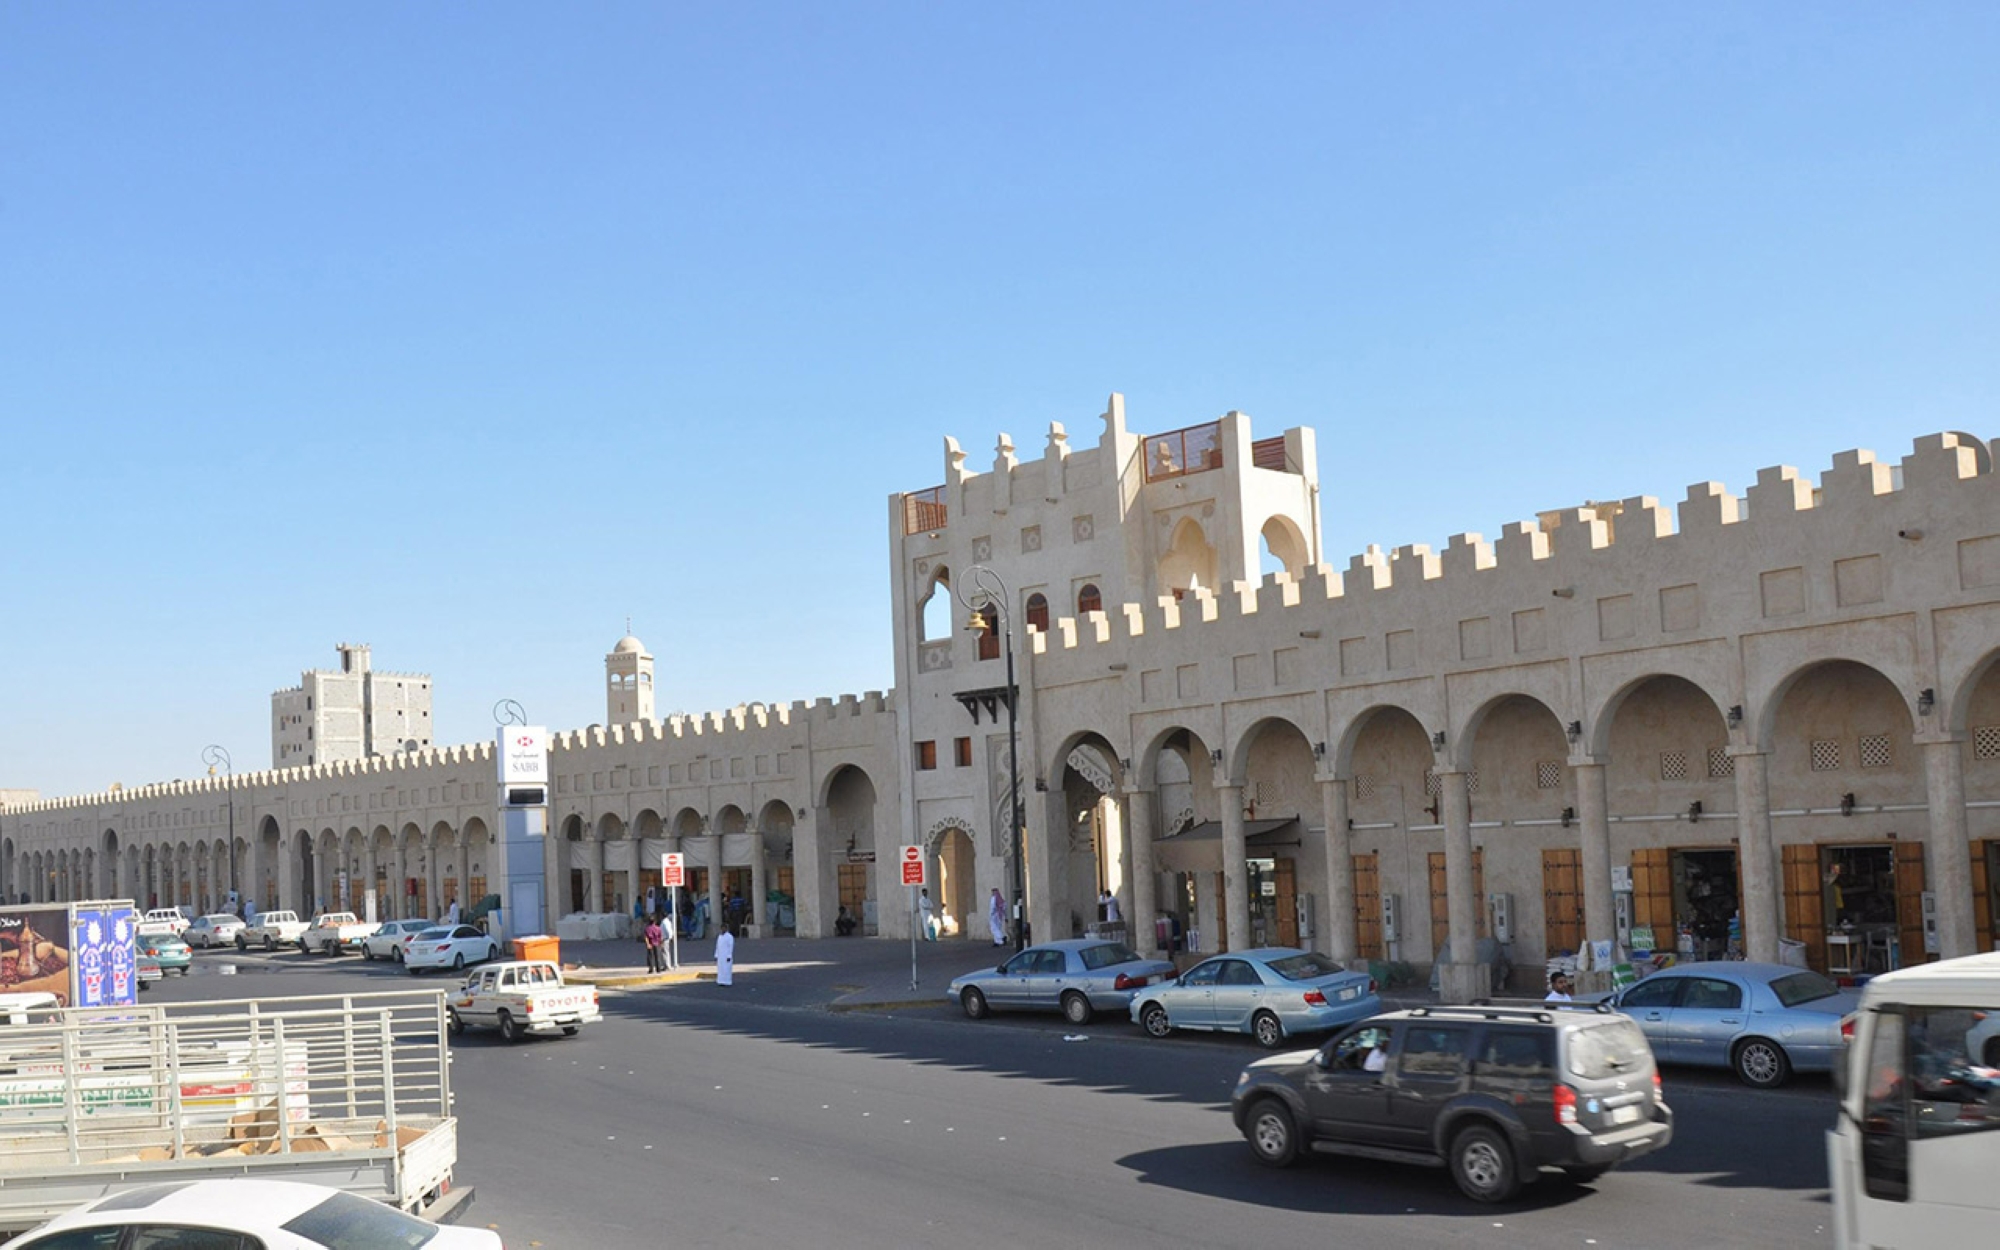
(1199, 849)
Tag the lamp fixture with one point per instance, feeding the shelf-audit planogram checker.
(1568, 816)
(1308, 633)
(1573, 731)
(1215, 757)
(1694, 810)
(1319, 750)
(1119, 667)
(1926, 700)
(1437, 740)
(1125, 763)
(1735, 715)
(1431, 810)
(1564, 592)
(1847, 803)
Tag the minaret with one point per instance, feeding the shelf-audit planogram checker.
(628, 682)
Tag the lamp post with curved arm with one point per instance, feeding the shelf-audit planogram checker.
(217, 757)
(992, 592)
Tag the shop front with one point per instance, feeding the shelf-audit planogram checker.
(1856, 907)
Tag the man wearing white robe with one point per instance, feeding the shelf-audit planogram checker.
(996, 917)
(725, 958)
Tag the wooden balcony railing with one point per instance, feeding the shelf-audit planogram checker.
(1269, 453)
(1197, 449)
(924, 511)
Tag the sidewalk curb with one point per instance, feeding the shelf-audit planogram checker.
(619, 979)
(897, 1004)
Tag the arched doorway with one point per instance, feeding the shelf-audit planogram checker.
(850, 850)
(960, 913)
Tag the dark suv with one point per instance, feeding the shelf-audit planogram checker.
(1494, 1092)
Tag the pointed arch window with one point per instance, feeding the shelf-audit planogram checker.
(1088, 599)
(1038, 612)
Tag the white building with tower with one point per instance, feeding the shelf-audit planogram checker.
(349, 713)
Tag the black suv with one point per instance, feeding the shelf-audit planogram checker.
(1494, 1092)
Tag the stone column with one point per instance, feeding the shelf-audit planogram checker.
(1949, 875)
(464, 869)
(1235, 853)
(434, 853)
(813, 908)
(715, 916)
(758, 907)
(1145, 884)
(399, 900)
(1336, 926)
(1600, 912)
(1760, 887)
(555, 865)
(635, 873)
(1464, 978)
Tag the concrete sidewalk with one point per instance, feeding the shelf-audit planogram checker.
(834, 974)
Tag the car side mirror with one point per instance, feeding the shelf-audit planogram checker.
(1002, 969)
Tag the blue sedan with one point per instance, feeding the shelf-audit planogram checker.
(1272, 994)
(1765, 1021)
(1080, 978)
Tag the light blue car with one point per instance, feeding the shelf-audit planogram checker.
(1271, 993)
(1079, 978)
(1764, 1021)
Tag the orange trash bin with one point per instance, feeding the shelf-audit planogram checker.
(539, 946)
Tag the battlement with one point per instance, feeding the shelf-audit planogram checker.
(1859, 507)
(744, 718)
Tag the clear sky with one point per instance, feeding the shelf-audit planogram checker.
(470, 330)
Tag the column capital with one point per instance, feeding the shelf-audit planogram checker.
(1586, 760)
(1229, 783)
(1945, 739)
(1330, 778)
(1739, 752)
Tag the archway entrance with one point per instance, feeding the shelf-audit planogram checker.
(957, 892)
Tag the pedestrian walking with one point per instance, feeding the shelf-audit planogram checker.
(451, 913)
(996, 917)
(929, 911)
(656, 945)
(725, 958)
(1111, 913)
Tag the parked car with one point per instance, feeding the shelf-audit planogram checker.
(1079, 978)
(392, 937)
(1495, 1093)
(521, 997)
(242, 1212)
(219, 929)
(1272, 994)
(170, 953)
(272, 930)
(448, 946)
(162, 920)
(333, 932)
(1765, 1021)
(149, 970)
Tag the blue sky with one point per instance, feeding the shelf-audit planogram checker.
(469, 330)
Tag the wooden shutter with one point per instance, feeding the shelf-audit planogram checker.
(1910, 902)
(1288, 904)
(1367, 907)
(1805, 900)
(1562, 900)
(1653, 893)
(1982, 896)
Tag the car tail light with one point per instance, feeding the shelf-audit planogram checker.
(1372, 987)
(1565, 1104)
(1125, 982)
(1847, 1029)
(1315, 999)
(1659, 1087)
(529, 1008)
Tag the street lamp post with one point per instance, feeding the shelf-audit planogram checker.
(988, 587)
(216, 757)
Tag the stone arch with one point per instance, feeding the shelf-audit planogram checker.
(1177, 764)
(1286, 544)
(934, 610)
(647, 825)
(1089, 849)
(107, 844)
(847, 837)
(269, 864)
(480, 863)
(689, 823)
(1190, 561)
(950, 853)
(731, 819)
(1765, 698)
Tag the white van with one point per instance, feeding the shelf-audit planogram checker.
(1913, 1156)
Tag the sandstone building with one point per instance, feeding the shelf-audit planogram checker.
(1743, 719)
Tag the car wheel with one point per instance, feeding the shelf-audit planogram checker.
(509, 1031)
(452, 1021)
(1265, 1028)
(492, 951)
(458, 962)
(303, 948)
(1272, 1135)
(1585, 1175)
(569, 1030)
(241, 945)
(974, 1003)
(399, 954)
(1993, 1052)
(1154, 1020)
(1762, 1063)
(270, 943)
(1076, 1007)
(1483, 1164)
(367, 951)
(415, 971)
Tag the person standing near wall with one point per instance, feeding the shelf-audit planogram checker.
(725, 957)
(929, 914)
(996, 917)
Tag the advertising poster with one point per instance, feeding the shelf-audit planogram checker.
(34, 951)
(92, 965)
(105, 948)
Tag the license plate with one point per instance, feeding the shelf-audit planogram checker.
(1624, 1115)
(1351, 993)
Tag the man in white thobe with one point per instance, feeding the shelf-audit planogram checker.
(996, 917)
(928, 909)
(725, 957)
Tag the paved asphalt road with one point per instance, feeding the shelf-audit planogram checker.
(701, 1116)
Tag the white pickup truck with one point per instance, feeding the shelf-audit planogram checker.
(332, 932)
(519, 998)
(273, 929)
(162, 922)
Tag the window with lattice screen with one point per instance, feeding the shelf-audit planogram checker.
(1875, 752)
(1673, 766)
(1364, 786)
(1431, 787)
(1986, 742)
(1825, 755)
(1721, 763)
(1548, 775)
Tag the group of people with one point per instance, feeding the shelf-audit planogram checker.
(654, 938)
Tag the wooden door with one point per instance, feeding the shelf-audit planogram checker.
(1653, 894)
(1288, 903)
(1910, 903)
(1805, 900)
(1562, 900)
(1367, 907)
(1441, 898)
(1983, 854)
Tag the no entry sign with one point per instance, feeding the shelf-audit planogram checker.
(673, 868)
(913, 865)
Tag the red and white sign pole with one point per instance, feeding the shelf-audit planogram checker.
(673, 875)
(912, 860)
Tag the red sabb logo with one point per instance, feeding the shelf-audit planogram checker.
(524, 741)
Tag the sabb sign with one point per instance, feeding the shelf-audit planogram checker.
(524, 765)
(913, 865)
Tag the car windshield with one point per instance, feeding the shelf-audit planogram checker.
(1803, 987)
(348, 1222)
(1304, 966)
(1095, 957)
(1607, 1048)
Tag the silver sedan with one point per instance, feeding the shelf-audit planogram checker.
(1272, 993)
(1079, 977)
(1765, 1021)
